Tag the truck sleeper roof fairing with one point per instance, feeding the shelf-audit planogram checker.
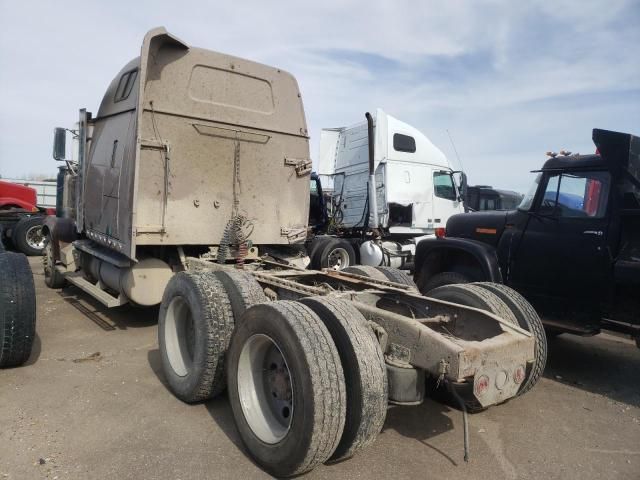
(175, 129)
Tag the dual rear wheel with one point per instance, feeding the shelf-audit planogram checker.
(294, 404)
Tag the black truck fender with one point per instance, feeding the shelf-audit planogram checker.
(472, 258)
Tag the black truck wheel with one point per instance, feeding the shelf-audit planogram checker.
(398, 276)
(286, 387)
(52, 278)
(27, 235)
(194, 328)
(243, 290)
(367, 271)
(336, 254)
(364, 372)
(529, 320)
(440, 279)
(316, 244)
(473, 295)
(17, 309)
(470, 296)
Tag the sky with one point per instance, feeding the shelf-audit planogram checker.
(506, 80)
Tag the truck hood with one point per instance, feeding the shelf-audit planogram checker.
(486, 227)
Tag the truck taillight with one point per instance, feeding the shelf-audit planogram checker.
(481, 385)
(441, 232)
(519, 374)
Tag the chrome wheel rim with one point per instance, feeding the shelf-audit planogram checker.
(265, 388)
(179, 336)
(34, 237)
(338, 259)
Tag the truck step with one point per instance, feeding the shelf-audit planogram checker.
(96, 292)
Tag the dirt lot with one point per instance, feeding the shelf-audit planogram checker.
(91, 403)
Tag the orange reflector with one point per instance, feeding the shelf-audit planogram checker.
(489, 231)
(441, 232)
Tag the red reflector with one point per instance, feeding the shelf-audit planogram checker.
(481, 385)
(441, 232)
(519, 374)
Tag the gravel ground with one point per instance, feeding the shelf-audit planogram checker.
(92, 403)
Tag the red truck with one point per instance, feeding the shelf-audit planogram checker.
(21, 219)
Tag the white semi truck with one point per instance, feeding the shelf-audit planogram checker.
(415, 193)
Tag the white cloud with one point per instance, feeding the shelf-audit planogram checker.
(508, 79)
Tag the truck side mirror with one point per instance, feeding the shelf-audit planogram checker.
(59, 143)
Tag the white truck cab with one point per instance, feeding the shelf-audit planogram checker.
(415, 191)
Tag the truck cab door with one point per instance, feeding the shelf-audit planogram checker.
(563, 252)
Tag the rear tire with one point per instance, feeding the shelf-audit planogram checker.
(243, 290)
(17, 309)
(316, 248)
(286, 387)
(336, 254)
(194, 328)
(398, 276)
(367, 271)
(27, 235)
(443, 278)
(529, 320)
(364, 372)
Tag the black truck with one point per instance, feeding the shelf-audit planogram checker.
(572, 247)
(485, 197)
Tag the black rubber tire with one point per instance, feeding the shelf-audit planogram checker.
(243, 290)
(315, 250)
(318, 387)
(312, 247)
(398, 276)
(365, 373)
(327, 248)
(213, 323)
(367, 271)
(471, 296)
(19, 235)
(17, 309)
(52, 278)
(528, 320)
(443, 278)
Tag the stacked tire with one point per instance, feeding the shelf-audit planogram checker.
(294, 404)
(17, 309)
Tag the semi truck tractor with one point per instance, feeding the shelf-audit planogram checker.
(191, 192)
(390, 188)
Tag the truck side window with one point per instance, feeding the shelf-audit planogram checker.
(404, 143)
(443, 186)
(125, 85)
(576, 194)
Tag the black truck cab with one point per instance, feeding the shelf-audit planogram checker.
(572, 246)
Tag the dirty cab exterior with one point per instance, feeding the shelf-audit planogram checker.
(191, 190)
